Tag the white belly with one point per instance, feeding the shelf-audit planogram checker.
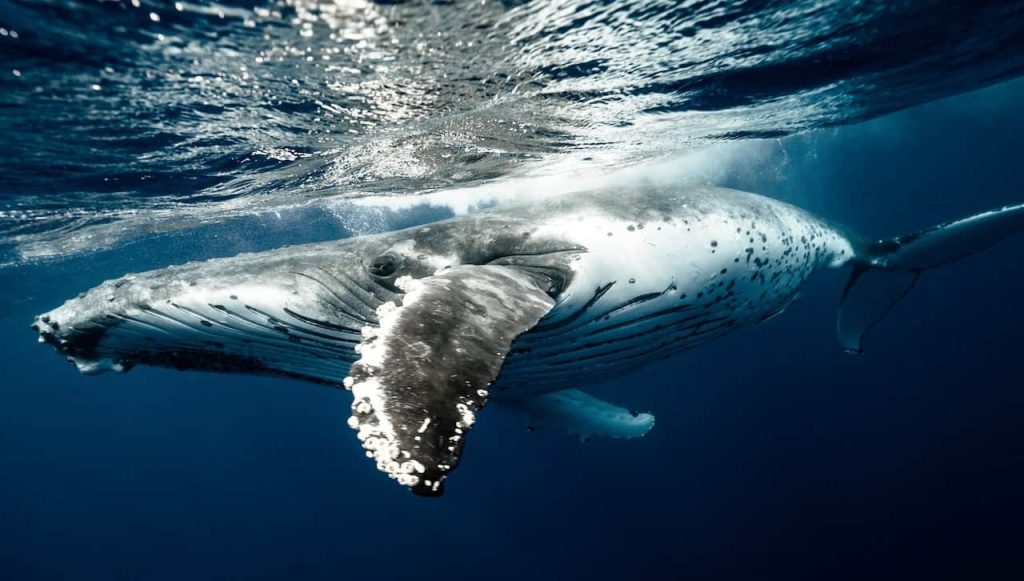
(643, 291)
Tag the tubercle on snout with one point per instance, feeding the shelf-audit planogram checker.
(48, 333)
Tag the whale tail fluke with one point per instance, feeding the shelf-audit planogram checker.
(886, 270)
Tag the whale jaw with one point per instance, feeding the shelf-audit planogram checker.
(277, 322)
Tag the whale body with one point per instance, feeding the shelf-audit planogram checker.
(522, 306)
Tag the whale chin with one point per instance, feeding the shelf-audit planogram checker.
(302, 324)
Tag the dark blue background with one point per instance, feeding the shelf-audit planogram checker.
(775, 455)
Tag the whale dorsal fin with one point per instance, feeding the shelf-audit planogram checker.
(580, 414)
(426, 370)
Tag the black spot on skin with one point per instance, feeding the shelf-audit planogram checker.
(384, 265)
(714, 243)
(206, 323)
(631, 228)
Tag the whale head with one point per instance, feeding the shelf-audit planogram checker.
(295, 312)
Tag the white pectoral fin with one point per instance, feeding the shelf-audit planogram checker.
(425, 371)
(581, 414)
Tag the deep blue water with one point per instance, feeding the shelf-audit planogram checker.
(775, 454)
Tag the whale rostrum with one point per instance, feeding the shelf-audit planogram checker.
(523, 305)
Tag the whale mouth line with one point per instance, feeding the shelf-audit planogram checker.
(302, 338)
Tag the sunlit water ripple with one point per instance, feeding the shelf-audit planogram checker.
(124, 119)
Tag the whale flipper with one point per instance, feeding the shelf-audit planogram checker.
(581, 414)
(425, 372)
(887, 270)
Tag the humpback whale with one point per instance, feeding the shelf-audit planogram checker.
(521, 306)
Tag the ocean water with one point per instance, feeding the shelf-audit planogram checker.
(137, 135)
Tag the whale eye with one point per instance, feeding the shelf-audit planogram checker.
(384, 265)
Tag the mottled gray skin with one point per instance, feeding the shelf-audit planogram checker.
(331, 290)
(425, 325)
(298, 311)
(509, 304)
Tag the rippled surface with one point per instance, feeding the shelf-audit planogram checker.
(119, 119)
